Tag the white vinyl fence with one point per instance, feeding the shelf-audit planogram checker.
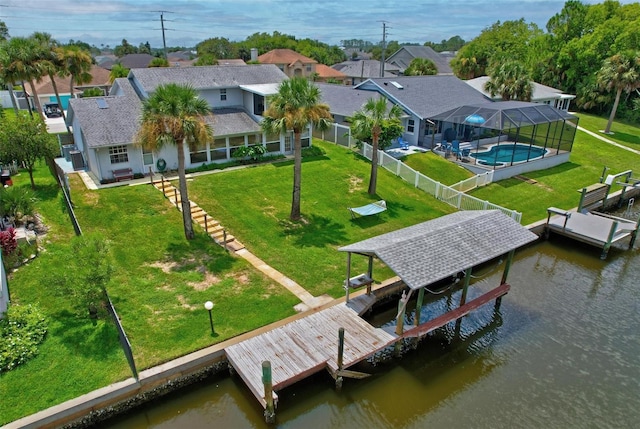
(453, 195)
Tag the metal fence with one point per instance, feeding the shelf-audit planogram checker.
(453, 195)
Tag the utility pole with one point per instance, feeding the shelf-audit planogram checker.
(164, 42)
(384, 46)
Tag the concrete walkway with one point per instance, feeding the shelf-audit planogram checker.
(606, 140)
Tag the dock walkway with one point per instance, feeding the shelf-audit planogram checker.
(304, 347)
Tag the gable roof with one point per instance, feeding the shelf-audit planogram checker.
(426, 96)
(284, 56)
(403, 56)
(365, 68)
(208, 77)
(344, 100)
(540, 92)
(134, 61)
(328, 72)
(116, 124)
(425, 253)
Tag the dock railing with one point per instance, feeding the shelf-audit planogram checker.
(453, 195)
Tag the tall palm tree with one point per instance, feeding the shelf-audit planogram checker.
(511, 80)
(371, 118)
(52, 64)
(5, 75)
(20, 62)
(620, 72)
(77, 63)
(175, 115)
(421, 67)
(294, 107)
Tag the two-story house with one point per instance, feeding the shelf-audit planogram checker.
(104, 128)
(290, 62)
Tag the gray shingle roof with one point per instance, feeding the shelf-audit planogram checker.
(209, 77)
(540, 92)
(402, 58)
(344, 100)
(365, 68)
(428, 96)
(434, 250)
(229, 121)
(115, 125)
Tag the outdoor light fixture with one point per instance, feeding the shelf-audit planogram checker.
(209, 306)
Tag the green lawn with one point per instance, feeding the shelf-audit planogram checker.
(624, 133)
(254, 205)
(437, 168)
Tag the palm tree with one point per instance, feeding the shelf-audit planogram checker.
(294, 107)
(20, 63)
(371, 118)
(175, 115)
(421, 67)
(77, 63)
(620, 72)
(5, 76)
(511, 80)
(117, 70)
(52, 64)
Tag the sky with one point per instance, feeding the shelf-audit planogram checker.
(188, 22)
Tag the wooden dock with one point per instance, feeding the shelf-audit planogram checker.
(593, 228)
(304, 347)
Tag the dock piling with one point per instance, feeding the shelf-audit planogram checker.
(269, 411)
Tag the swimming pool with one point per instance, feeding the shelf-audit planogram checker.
(499, 155)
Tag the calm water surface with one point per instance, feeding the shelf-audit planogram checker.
(562, 352)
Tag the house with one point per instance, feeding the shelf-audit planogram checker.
(130, 61)
(343, 100)
(422, 97)
(541, 93)
(403, 57)
(104, 128)
(327, 74)
(46, 93)
(361, 70)
(290, 62)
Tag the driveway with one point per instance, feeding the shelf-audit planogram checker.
(55, 125)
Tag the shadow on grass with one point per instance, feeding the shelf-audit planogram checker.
(289, 162)
(314, 231)
(562, 168)
(202, 250)
(626, 138)
(47, 192)
(86, 337)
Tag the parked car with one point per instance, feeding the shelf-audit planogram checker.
(52, 110)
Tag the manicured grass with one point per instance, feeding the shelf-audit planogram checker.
(624, 133)
(437, 168)
(254, 205)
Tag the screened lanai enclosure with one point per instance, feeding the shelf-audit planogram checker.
(505, 134)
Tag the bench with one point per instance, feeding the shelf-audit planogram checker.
(122, 174)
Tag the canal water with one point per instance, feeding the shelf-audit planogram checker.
(563, 351)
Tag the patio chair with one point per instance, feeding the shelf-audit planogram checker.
(455, 148)
(465, 154)
(403, 143)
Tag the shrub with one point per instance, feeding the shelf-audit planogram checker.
(311, 151)
(17, 202)
(254, 153)
(21, 330)
(8, 241)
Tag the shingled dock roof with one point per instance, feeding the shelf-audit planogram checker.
(434, 250)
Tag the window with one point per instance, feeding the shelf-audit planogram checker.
(118, 154)
(219, 149)
(308, 68)
(223, 95)
(411, 125)
(199, 154)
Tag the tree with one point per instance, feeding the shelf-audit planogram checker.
(511, 81)
(294, 107)
(4, 31)
(206, 60)
(124, 49)
(77, 63)
(86, 280)
(25, 139)
(52, 64)
(117, 71)
(421, 67)
(159, 62)
(175, 115)
(620, 72)
(371, 118)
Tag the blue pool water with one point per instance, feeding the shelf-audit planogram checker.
(505, 154)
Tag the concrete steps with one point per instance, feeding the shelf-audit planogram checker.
(199, 216)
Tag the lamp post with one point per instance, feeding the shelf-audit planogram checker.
(209, 306)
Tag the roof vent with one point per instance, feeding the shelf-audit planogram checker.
(396, 84)
(102, 103)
